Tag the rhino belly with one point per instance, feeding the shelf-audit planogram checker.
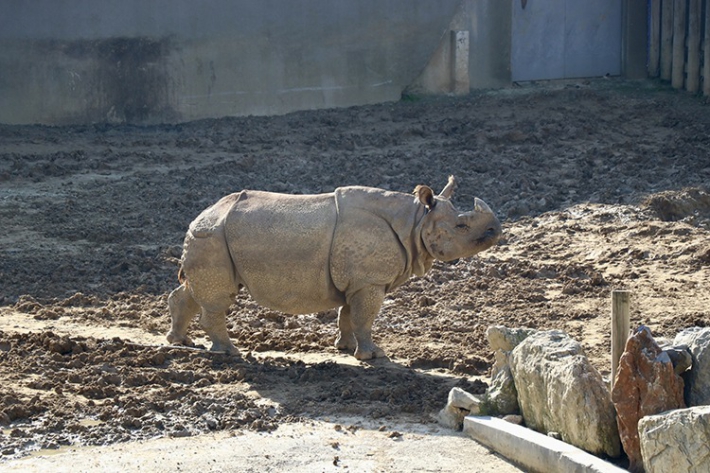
(280, 248)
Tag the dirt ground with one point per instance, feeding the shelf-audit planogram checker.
(600, 185)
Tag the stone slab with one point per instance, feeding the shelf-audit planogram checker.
(532, 450)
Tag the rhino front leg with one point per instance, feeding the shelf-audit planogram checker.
(346, 337)
(183, 309)
(364, 306)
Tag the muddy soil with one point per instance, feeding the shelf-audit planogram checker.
(600, 185)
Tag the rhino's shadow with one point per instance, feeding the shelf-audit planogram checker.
(374, 389)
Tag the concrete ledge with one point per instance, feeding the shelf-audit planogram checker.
(532, 450)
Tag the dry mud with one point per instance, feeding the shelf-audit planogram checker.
(600, 185)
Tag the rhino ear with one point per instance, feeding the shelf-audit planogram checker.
(449, 189)
(425, 196)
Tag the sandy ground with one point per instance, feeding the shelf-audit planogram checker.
(600, 185)
(316, 446)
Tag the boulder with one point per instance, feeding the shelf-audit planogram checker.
(502, 341)
(501, 398)
(645, 384)
(560, 391)
(697, 339)
(504, 338)
(681, 358)
(680, 355)
(676, 441)
(459, 405)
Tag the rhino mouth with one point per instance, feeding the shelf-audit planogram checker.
(489, 238)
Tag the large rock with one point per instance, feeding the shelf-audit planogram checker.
(560, 391)
(501, 398)
(681, 358)
(697, 380)
(645, 384)
(676, 441)
(504, 338)
(459, 405)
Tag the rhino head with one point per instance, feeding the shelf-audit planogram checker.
(449, 234)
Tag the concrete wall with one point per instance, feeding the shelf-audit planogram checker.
(559, 39)
(489, 25)
(142, 61)
(149, 61)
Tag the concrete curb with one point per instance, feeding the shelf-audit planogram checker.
(532, 450)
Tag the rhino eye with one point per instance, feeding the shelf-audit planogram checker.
(462, 226)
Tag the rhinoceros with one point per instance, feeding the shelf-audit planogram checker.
(302, 254)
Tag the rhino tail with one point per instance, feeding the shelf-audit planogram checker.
(181, 277)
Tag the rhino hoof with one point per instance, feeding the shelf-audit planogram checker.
(184, 340)
(377, 352)
(229, 349)
(346, 343)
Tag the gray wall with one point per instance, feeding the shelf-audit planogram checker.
(142, 61)
(149, 61)
(489, 25)
(558, 39)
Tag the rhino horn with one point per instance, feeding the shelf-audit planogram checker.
(448, 191)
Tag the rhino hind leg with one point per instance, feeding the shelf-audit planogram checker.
(214, 322)
(183, 309)
(210, 284)
(346, 337)
(364, 306)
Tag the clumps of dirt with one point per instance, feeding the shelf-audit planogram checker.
(669, 206)
(76, 390)
(598, 187)
(135, 310)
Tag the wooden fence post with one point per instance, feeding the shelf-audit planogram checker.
(654, 49)
(666, 39)
(678, 68)
(706, 52)
(692, 82)
(620, 324)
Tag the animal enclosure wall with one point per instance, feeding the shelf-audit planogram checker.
(679, 43)
(560, 39)
(156, 61)
(136, 61)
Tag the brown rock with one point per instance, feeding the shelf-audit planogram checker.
(645, 384)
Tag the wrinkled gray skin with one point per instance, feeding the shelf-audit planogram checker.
(308, 253)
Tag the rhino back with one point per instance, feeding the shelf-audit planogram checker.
(212, 218)
(376, 239)
(280, 247)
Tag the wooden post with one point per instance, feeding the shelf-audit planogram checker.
(666, 39)
(654, 49)
(706, 52)
(692, 82)
(678, 67)
(620, 324)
